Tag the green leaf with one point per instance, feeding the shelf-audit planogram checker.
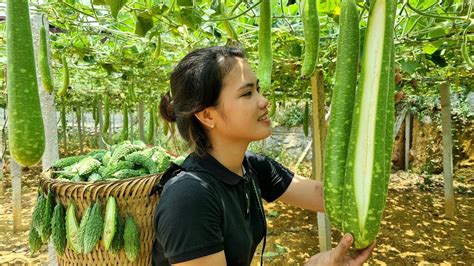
(144, 24)
(130, 50)
(429, 48)
(273, 214)
(151, 3)
(156, 30)
(81, 41)
(159, 9)
(115, 6)
(188, 17)
(438, 32)
(409, 67)
(185, 3)
(281, 249)
(422, 5)
(329, 7)
(216, 6)
(99, 2)
(127, 23)
(270, 254)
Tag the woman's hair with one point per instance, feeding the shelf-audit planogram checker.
(196, 83)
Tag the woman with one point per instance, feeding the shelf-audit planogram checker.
(210, 211)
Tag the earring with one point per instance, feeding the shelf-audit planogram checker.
(212, 126)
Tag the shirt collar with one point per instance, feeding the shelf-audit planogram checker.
(213, 167)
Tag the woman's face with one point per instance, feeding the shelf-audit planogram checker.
(242, 111)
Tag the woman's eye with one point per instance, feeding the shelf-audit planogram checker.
(249, 93)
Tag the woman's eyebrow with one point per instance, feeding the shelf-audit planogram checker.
(247, 85)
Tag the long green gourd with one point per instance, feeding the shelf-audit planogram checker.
(151, 124)
(26, 129)
(125, 122)
(43, 64)
(62, 92)
(342, 104)
(367, 169)
(365, 181)
(311, 37)
(106, 125)
(265, 56)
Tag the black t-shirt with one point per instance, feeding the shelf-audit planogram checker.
(208, 208)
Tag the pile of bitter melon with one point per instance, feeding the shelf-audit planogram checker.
(53, 220)
(124, 160)
(99, 220)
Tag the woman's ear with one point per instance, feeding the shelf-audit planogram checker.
(206, 117)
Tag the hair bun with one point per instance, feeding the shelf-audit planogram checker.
(167, 108)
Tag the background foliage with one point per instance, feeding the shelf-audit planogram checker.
(127, 48)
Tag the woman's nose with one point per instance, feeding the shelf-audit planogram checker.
(263, 103)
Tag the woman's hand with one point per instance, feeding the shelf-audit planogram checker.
(339, 256)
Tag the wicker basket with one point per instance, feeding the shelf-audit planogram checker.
(134, 196)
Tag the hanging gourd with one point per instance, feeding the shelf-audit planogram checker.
(26, 129)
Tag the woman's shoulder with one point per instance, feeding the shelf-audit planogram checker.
(188, 182)
(259, 161)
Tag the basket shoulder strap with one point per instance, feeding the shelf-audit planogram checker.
(171, 172)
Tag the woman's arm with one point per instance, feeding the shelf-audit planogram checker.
(304, 193)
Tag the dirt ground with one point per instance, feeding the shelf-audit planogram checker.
(414, 230)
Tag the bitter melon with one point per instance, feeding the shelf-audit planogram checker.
(38, 212)
(127, 173)
(64, 162)
(58, 229)
(86, 166)
(82, 228)
(94, 227)
(72, 228)
(111, 169)
(131, 237)
(34, 240)
(45, 227)
(110, 222)
(120, 152)
(139, 159)
(94, 177)
(117, 242)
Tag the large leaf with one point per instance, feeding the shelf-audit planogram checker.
(438, 32)
(144, 24)
(190, 18)
(115, 6)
